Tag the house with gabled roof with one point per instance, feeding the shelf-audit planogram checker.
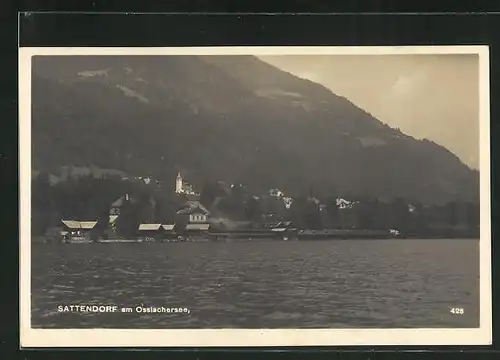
(193, 219)
(194, 211)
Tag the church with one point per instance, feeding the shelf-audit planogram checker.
(183, 187)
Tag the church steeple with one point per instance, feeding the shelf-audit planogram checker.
(178, 184)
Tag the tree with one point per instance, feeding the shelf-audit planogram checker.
(159, 212)
(305, 214)
(452, 213)
(400, 212)
(333, 210)
(102, 223)
(238, 193)
(253, 210)
(365, 214)
(313, 218)
(180, 225)
(128, 221)
(297, 212)
(209, 193)
(234, 204)
(472, 215)
(420, 223)
(43, 209)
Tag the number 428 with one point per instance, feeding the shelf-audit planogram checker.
(457, 311)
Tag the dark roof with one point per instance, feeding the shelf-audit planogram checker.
(192, 197)
(192, 207)
(119, 202)
(200, 227)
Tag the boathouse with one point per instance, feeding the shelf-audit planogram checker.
(197, 228)
(150, 231)
(74, 230)
(197, 231)
(168, 232)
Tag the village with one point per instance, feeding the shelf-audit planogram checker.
(271, 216)
(192, 221)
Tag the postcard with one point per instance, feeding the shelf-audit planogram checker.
(254, 196)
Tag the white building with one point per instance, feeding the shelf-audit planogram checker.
(195, 212)
(344, 204)
(288, 202)
(276, 193)
(183, 187)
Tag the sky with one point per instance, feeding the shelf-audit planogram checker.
(426, 96)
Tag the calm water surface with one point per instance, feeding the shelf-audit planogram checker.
(265, 284)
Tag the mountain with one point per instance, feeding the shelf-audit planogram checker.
(231, 118)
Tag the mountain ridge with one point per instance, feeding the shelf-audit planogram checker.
(282, 130)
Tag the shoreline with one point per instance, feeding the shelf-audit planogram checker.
(233, 240)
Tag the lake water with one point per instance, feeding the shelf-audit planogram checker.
(264, 284)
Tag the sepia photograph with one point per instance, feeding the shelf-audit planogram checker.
(255, 196)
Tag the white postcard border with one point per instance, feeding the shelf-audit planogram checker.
(32, 338)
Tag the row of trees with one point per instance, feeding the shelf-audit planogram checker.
(310, 212)
(83, 198)
(89, 198)
(417, 219)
